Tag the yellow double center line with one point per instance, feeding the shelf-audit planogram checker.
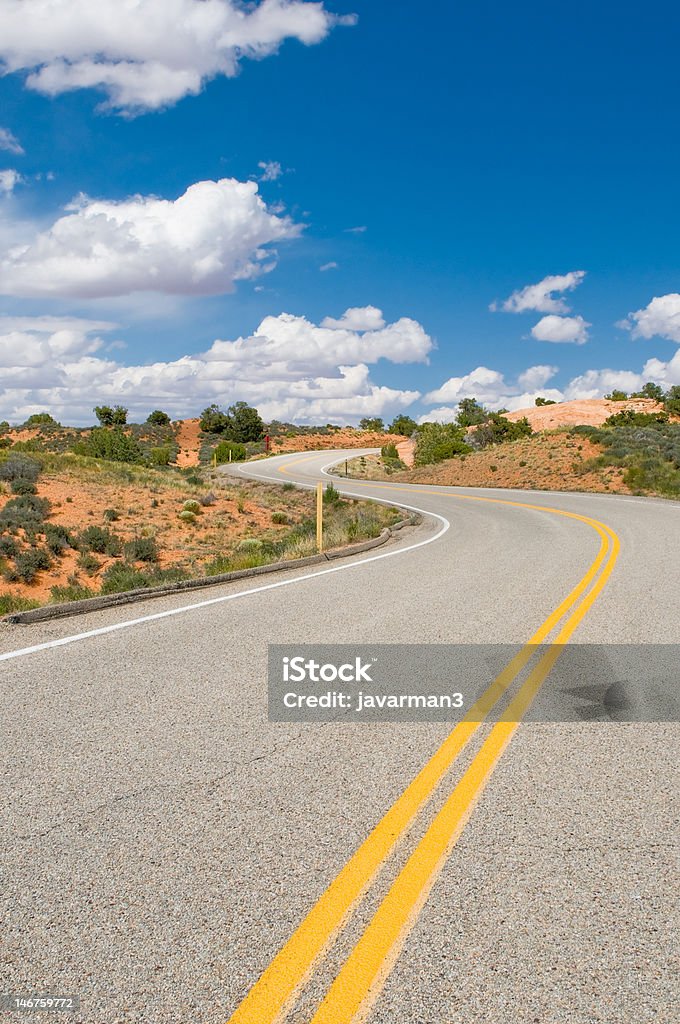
(360, 980)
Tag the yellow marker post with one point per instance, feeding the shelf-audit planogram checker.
(214, 459)
(319, 516)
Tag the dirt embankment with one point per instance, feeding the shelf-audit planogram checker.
(551, 462)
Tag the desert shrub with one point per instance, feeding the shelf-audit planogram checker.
(29, 563)
(194, 479)
(8, 547)
(498, 430)
(438, 441)
(70, 592)
(221, 452)
(160, 456)
(288, 486)
(57, 538)
(23, 486)
(249, 544)
(142, 549)
(121, 577)
(631, 418)
(187, 517)
(100, 540)
(24, 512)
(5, 442)
(389, 451)
(111, 515)
(14, 603)
(19, 467)
(617, 396)
(279, 518)
(108, 417)
(88, 563)
(543, 401)
(649, 455)
(331, 495)
(112, 444)
(208, 499)
(192, 506)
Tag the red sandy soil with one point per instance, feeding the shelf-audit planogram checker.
(590, 411)
(346, 438)
(188, 439)
(542, 462)
(78, 503)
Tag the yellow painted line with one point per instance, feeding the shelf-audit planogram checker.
(363, 975)
(277, 988)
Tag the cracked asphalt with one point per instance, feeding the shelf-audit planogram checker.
(161, 839)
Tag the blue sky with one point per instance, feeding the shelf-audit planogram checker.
(482, 147)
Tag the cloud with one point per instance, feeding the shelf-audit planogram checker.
(356, 318)
(540, 297)
(148, 54)
(10, 143)
(290, 368)
(597, 383)
(271, 170)
(660, 317)
(492, 390)
(9, 180)
(560, 329)
(328, 266)
(199, 244)
(356, 231)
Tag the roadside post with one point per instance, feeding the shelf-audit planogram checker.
(214, 460)
(319, 517)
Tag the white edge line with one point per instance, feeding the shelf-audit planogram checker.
(103, 630)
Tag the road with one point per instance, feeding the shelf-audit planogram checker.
(164, 846)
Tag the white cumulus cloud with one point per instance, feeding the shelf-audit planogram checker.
(356, 318)
(10, 143)
(271, 170)
(9, 180)
(660, 317)
(199, 244)
(543, 297)
(559, 329)
(147, 54)
(290, 368)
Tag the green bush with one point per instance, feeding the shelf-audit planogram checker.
(8, 547)
(160, 456)
(142, 549)
(158, 418)
(249, 544)
(499, 430)
(23, 486)
(187, 517)
(389, 451)
(372, 423)
(112, 444)
(438, 441)
(41, 419)
(192, 506)
(88, 563)
(100, 540)
(221, 452)
(279, 518)
(58, 538)
(121, 577)
(29, 563)
(71, 592)
(111, 515)
(14, 603)
(331, 495)
(403, 425)
(617, 396)
(631, 418)
(649, 455)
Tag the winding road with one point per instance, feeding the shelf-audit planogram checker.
(170, 855)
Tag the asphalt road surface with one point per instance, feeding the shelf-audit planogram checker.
(169, 855)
